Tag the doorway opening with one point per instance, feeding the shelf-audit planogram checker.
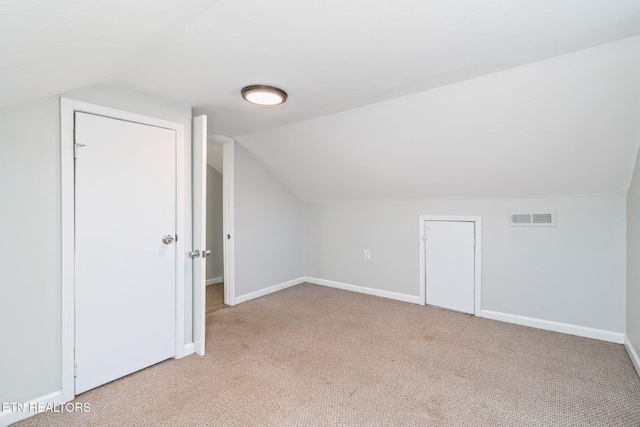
(220, 275)
(215, 227)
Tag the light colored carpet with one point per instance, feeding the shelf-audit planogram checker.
(316, 356)
(215, 298)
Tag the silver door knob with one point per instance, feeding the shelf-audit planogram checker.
(205, 253)
(168, 239)
(194, 254)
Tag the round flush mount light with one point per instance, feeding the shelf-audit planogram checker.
(264, 95)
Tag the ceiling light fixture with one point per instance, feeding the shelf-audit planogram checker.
(264, 95)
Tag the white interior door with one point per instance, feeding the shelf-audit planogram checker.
(125, 256)
(450, 264)
(199, 253)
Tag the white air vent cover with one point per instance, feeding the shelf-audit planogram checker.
(532, 219)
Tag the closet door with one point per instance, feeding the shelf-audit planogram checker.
(125, 252)
(450, 265)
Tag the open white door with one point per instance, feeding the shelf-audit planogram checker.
(200, 252)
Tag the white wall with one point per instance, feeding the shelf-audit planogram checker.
(30, 277)
(215, 243)
(633, 261)
(269, 224)
(30, 272)
(572, 273)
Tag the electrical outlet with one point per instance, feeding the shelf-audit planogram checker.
(367, 254)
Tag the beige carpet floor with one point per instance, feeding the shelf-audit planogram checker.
(215, 298)
(316, 356)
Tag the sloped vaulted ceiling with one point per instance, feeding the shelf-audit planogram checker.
(48, 47)
(386, 99)
(565, 126)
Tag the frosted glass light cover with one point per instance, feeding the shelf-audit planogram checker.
(264, 95)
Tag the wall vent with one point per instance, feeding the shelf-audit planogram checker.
(532, 219)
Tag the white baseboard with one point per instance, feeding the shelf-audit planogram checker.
(215, 281)
(39, 404)
(269, 290)
(548, 325)
(632, 354)
(189, 349)
(361, 289)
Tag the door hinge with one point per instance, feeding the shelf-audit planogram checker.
(75, 149)
(75, 145)
(75, 370)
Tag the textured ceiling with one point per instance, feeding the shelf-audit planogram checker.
(364, 77)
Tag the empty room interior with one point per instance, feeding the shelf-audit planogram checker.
(336, 213)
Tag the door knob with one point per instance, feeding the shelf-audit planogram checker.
(206, 252)
(194, 254)
(168, 239)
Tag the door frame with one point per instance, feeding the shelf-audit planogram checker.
(477, 285)
(67, 181)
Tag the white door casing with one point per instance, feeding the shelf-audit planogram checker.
(175, 347)
(450, 257)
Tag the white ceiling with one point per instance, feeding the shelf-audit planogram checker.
(565, 126)
(389, 94)
(48, 47)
